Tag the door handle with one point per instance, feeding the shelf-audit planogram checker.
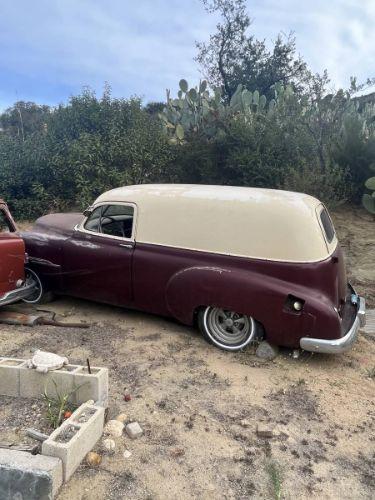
(126, 245)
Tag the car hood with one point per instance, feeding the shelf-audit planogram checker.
(58, 222)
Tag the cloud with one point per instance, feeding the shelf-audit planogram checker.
(49, 50)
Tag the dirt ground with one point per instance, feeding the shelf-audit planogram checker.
(199, 406)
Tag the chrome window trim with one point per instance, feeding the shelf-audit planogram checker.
(80, 226)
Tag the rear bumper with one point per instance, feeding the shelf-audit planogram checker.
(17, 294)
(342, 344)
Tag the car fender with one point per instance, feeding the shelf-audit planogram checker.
(251, 293)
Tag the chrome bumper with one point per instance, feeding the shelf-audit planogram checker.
(17, 294)
(343, 344)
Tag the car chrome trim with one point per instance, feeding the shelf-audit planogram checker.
(16, 295)
(43, 262)
(343, 344)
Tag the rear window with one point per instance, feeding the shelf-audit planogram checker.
(327, 225)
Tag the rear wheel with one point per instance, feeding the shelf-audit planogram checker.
(228, 330)
(40, 295)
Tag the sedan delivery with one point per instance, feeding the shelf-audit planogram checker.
(242, 263)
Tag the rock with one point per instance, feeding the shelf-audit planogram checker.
(265, 431)
(127, 454)
(93, 458)
(122, 417)
(90, 402)
(127, 397)
(267, 351)
(109, 445)
(177, 452)
(245, 423)
(134, 430)
(114, 428)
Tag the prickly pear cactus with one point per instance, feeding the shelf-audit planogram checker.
(196, 110)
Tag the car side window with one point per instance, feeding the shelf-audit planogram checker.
(93, 221)
(5, 225)
(327, 225)
(117, 220)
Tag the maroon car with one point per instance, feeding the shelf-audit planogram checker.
(13, 284)
(241, 262)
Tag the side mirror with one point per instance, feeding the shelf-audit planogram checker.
(88, 211)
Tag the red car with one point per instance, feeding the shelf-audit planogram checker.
(14, 285)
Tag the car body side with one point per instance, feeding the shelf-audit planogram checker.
(176, 282)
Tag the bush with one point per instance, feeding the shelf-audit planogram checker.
(331, 185)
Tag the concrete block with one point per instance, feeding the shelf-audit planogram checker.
(16, 379)
(10, 376)
(33, 383)
(75, 437)
(26, 476)
(92, 386)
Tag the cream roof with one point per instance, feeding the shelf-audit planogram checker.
(252, 222)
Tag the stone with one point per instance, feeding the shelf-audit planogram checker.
(114, 428)
(245, 423)
(26, 476)
(265, 431)
(267, 351)
(93, 459)
(127, 454)
(122, 417)
(109, 445)
(134, 430)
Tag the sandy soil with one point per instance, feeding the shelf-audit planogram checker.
(199, 406)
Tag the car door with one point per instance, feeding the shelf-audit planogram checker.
(12, 253)
(97, 258)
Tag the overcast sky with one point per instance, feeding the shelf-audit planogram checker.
(51, 48)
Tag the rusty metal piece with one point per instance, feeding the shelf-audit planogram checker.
(16, 318)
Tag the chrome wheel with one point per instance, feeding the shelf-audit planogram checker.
(228, 329)
(33, 278)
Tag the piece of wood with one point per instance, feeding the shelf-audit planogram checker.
(39, 436)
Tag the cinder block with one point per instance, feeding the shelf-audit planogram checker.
(10, 376)
(87, 422)
(33, 383)
(26, 476)
(16, 379)
(91, 386)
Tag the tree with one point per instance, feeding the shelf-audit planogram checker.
(24, 118)
(232, 56)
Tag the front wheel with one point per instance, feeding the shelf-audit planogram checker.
(40, 294)
(226, 329)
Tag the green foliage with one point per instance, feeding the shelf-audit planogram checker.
(275, 474)
(292, 142)
(368, 200)
(58, 404)
(232, 56)
(82, 149)
(65, 157)
(196, 110)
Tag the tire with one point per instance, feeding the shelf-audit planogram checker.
(41, 295)
(225, 329)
